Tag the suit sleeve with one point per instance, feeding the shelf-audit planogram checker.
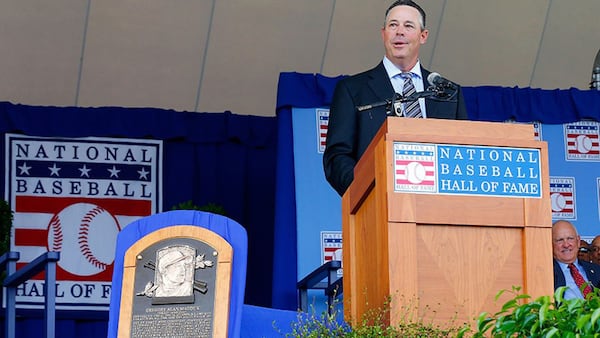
(339, 157)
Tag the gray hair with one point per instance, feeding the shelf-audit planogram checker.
(407, 3)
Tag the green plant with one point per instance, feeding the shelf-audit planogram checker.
(6, 219)
(372, 325)
(210, 207)
(310, 325)
(543, 317)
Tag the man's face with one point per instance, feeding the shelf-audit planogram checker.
(175, 273)
(565, 242)
(402, 36)
(584, 251)
(595, 253)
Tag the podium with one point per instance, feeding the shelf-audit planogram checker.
(444, 214)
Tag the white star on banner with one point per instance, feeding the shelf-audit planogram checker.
(114, 172)
(85, 171)
(143, 173)
(24, 169)
(54, 170)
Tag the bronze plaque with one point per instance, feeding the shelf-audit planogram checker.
(174, 289)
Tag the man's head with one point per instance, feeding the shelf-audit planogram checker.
(403, 33)
(595, 250)
(584, 253)
(565, 242)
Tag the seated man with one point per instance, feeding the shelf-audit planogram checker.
(579, 276)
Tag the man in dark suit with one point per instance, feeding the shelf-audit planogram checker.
(350, 131)
(565, 247)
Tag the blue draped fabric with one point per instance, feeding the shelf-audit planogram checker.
(486, 103)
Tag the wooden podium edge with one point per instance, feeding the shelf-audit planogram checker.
(223, 266)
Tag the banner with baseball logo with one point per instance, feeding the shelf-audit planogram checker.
(74, 195)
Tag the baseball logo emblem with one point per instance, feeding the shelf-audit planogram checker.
(415, 172)
(583, 144)
(85, 234)
(558, 202)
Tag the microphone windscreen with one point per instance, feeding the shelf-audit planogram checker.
(433, 78)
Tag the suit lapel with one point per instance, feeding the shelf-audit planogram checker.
(380, 83)
(559, 277)
(433, 107)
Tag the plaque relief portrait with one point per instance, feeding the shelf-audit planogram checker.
(174, 270)
(174, 274)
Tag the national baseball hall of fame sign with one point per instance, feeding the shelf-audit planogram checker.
(467, 170)
(74, 195)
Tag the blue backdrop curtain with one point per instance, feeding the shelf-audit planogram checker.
(220, 158)
(485, 103)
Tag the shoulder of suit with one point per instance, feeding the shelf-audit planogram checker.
(358, 80)
(369, 73)
(590, 264)
(592, 267)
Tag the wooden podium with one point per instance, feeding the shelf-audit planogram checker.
(440, 256)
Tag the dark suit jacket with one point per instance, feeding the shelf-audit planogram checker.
(591, 270)
(350, 131)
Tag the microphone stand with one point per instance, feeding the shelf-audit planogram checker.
(395, 108)
(393, 105)
(376, 104)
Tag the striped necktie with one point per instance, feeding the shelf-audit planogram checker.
(411, 108)
(579, 280)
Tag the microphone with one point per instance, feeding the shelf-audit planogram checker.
(397, 100)
(438, 81)
(392, 105)
(373, 105)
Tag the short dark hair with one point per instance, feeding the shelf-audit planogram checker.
(407, 3)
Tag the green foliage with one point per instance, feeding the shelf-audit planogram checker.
(6, 218)
(210, 207)
(372, 325)
(519, 317)
(315, 326)
(543, 317)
